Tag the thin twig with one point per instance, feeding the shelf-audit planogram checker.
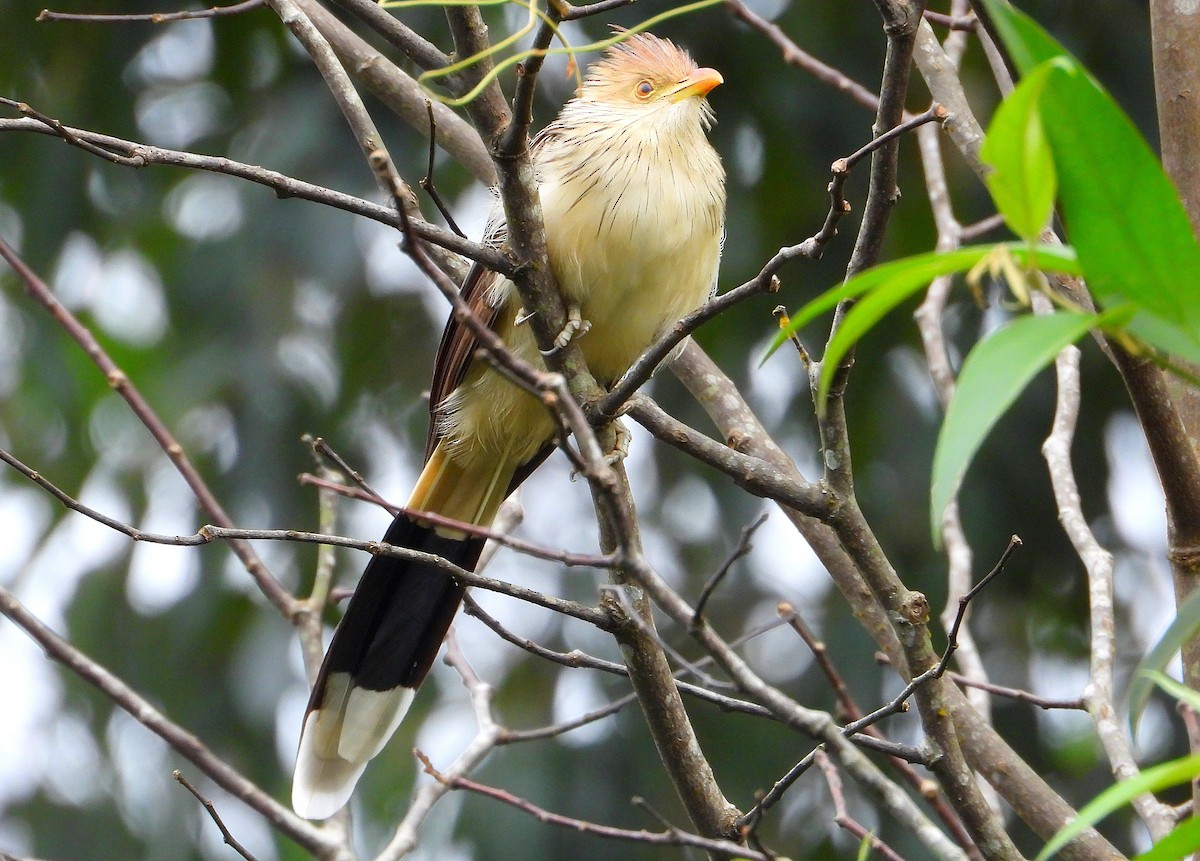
(71, 136)
(851, 712)
(670, 837)
(137, 154)
(210, 533)
(968, 23)
(426, 181)
(781, 315)
(794, 55)
(529, 548)
(1099, 565)
(1045, 703)
(226, 835)
(971, 232)
(152, 17)
(119, 381)
(567, 12)
(405, 837)
(514, 736)
(581, 660)
(316, 840)
(309, 627)
(841, 814)
(741, 550)
(965, 601)
(897, 704)
(321, 447)
(820, 653)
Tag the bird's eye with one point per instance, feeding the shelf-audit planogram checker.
(644, 89)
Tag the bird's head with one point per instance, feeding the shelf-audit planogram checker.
(644, 75)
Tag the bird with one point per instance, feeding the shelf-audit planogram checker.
(633, 202)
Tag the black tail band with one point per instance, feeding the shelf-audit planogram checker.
(399, 613)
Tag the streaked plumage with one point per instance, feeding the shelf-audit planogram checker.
(633, 199)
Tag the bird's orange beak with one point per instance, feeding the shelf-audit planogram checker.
(698, 83)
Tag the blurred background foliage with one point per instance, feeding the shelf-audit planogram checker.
(247, 321)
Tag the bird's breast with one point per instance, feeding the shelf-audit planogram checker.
(634, 235)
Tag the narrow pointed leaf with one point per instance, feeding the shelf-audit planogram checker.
(1179, 843)
(1115, 797)
(1027, 42)
(996, 371)
(918, 269)
(1176, 689)
(1183, 627)
(1122, 213)
(884, 287)
(1022, 180)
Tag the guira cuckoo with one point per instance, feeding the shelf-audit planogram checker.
(633, 199)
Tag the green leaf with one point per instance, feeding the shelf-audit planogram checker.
(1179, 843)
(994, 373)
(897, 281)
(1122, 214)
(1151, 780)
(1028, 44)
(1022, 180)
(1178, 690)
(917, 270)
(892, 283)
(1184, 626)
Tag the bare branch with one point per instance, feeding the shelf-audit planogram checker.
(174, 451)
(742, 549)
(139, 154)
(153, 17)
(842, 815)
(755, 475)
(396, 88)
(672, 837)
(314, 839)
(211, 809)
(405, 837)
(793, 55)
(1098, 562)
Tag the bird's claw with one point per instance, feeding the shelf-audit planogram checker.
(621, 440)
(575, 327)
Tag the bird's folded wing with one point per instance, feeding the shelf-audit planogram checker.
(458, 345)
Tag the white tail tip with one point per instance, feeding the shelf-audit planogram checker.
(337, 742)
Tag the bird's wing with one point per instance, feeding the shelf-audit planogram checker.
(457, 349)
(458, 345)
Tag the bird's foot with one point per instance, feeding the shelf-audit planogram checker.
(575, 327)
(621, 440)
(620, 447)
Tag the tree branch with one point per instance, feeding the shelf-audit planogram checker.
(316, 840)
(120, 382)
(134, 154)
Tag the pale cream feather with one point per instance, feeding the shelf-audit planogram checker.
(633, 200)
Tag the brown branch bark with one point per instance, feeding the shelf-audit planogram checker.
(1021, 786)
(1175, 40)
(120, 382)
(400, 92)
(322, 843)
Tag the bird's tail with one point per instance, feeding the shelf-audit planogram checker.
(390, 634)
